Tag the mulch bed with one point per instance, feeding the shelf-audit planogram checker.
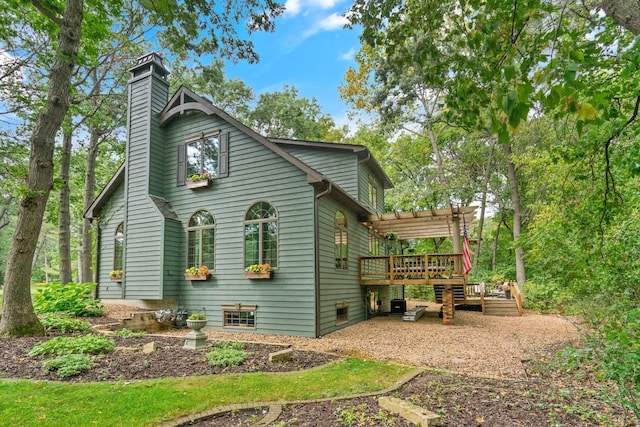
(128, 362)
(461, 400)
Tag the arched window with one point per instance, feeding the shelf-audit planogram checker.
(261, 235)
(342, 247)
(118, 247)
(201, 240)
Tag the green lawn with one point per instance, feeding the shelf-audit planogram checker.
(147, 403)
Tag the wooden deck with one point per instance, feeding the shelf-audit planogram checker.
(427, 269)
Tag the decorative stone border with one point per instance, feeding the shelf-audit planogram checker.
(275, 408)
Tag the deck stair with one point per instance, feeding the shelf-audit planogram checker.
(501, 307)
(414, 314)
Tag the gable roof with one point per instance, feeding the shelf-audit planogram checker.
(185, 100)
(98, 203)
(361, 151)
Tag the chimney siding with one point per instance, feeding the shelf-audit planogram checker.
(144, 226)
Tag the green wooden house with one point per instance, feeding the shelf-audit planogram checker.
(199, 188)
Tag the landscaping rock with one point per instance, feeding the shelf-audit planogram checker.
(407, 410)
(149, 347)
(281, 356)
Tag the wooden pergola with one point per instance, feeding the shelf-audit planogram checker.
(428, 269)
(425, 224)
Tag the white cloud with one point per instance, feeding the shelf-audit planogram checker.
(323, 4)
(292, 7)
(330, 23)
(295, 7)
(349, 55)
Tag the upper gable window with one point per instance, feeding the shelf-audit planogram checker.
(207, 154)
(202, 156)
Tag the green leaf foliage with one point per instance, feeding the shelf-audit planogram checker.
(226, 353)
(88, 344)
(63, 323)
(68, 365)
(72, 298)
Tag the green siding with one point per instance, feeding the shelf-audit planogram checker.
(286, 303)
(110, 217)
(337, 285)
(144, 223)
(339, 167)
(173, 265)
(364, 174)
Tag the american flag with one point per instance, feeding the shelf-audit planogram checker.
(466, 253)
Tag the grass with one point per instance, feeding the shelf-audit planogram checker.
(148, 403)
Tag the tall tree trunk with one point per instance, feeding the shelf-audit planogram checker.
(494, 252)
(18, 316)
(517, 215)
(442, 176)
(624, 12)
(483, 206)
(4, 213)
(89, 194)
(36, 252)
(64, 214)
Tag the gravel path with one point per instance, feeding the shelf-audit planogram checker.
(488, 346)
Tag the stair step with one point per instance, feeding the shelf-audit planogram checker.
(501, 308)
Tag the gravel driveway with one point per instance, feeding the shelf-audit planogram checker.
(489, 346)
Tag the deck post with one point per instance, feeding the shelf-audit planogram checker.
(447, 306)
(391, 269)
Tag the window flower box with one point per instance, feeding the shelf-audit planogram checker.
(258, 271)
(199, 181)
(200, 273)
(258, 275)
(116, 275)
(205, 183)
(193, 277)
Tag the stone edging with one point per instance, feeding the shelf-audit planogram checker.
(275, 408)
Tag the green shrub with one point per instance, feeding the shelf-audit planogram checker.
(88, 344)
(197, 316)
(75, 299)
(126, 333)
(64, 324)
(235, 345)
(68, 365)
(545, 297)
(226, 354)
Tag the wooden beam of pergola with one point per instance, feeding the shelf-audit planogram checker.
(422, 224)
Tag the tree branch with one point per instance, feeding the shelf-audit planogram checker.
(50, 12)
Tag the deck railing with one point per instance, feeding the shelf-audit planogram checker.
(411, 269)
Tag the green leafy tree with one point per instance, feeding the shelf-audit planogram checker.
(185, 28)
(285, 114)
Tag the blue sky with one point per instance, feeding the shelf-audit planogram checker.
(310, 49)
